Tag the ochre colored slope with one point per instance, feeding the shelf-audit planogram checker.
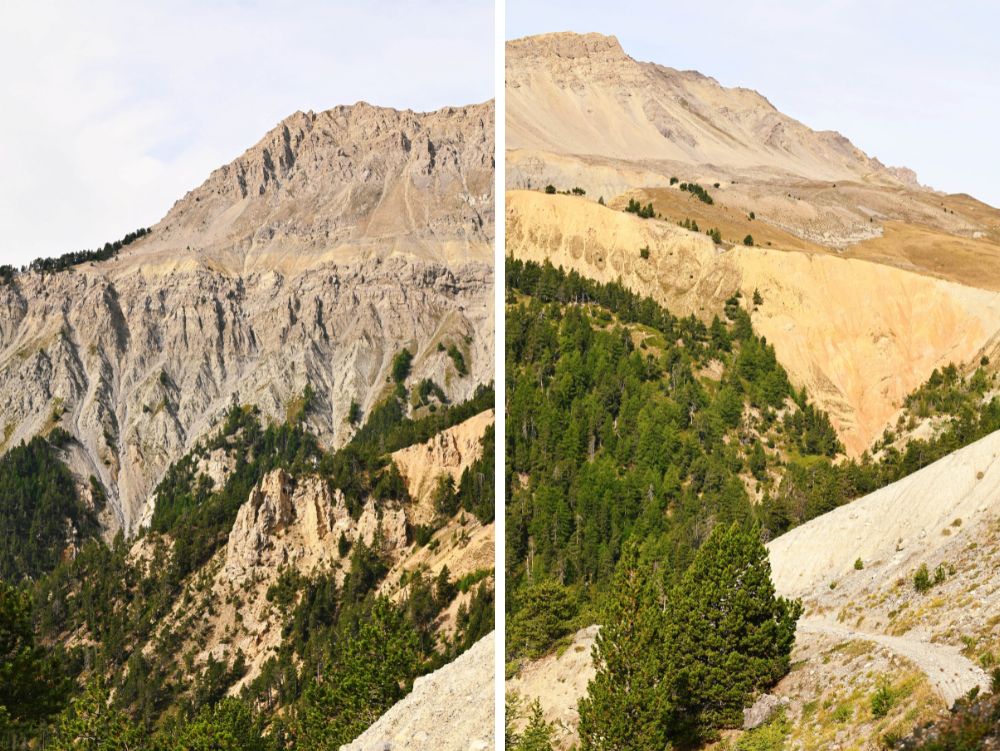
(858, 335)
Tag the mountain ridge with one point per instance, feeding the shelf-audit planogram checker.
(658, 112)
(336, 240)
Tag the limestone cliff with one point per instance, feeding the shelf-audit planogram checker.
(312, 259)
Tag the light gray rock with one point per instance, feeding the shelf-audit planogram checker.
(761, 712)
(313, 258)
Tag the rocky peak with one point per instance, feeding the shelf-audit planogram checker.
(581, 94)
(567, 45)
(350, 176)
(299, 522)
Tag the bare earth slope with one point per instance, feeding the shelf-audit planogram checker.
(312, 259)
(870, 281)
(581, 94)
(858, 335)
(450, 709)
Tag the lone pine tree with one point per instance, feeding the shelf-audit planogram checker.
(729, 634)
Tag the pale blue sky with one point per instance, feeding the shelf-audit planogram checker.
(110, 110)
(913, 83)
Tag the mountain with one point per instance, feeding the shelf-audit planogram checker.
(249, 451)
(312, 259)
(728, 332)
(581, 94)
(869, 282)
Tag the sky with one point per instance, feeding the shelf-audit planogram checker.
(914, 83)
(112, 110)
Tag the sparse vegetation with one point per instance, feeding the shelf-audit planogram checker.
(401, 365)
(644, 212)
(68, 260)
(696, 190)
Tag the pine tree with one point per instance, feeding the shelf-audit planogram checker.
(372, 670)
(544, 611)
(537, 734)
(729, 634)
(228, 726)
(625, 708)
(90, 724)
(32, 686)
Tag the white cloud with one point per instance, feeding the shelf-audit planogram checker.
(111, 110)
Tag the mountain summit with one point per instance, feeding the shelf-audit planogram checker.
(302, 268)
(581, 94)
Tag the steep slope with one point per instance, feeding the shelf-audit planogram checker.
(450, 709)
(867, 625)
(310, 261)
(858, 335)
(895, 527)
(869, 281)
(581, 94)
(295, 523)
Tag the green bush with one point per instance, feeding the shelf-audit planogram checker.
(922, 579)
(883, 700)
(543, 614)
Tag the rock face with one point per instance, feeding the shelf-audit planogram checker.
(858, 335)
(312, 259)
(299, 523)
(295, 523)
(450, 709)
(450, 452)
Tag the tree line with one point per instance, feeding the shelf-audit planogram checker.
(68, 260)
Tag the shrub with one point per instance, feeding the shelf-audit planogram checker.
(882, 700)
(922, 579)
(401, 365)
(354, 413)
(458, 359)
(550, 189)
(644, 252)
(748, 240)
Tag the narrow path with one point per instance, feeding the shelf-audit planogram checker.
(951, 673)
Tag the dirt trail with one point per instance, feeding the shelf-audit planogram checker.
(950, 672)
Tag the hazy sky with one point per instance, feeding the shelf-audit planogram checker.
(913, 83)
(111, 111)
